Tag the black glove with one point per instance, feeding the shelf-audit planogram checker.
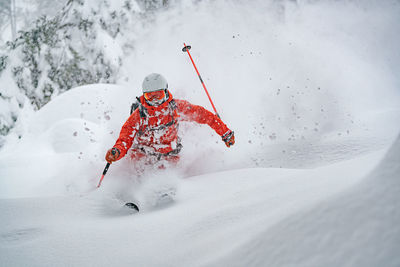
(112, 155)
(229, 138)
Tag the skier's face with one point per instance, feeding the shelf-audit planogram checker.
(156, 97)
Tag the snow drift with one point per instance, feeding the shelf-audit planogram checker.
(358, 227)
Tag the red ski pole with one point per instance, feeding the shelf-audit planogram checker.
(186, 48)
(104, 173)
(106, 169)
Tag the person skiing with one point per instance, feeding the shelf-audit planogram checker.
(151, 131)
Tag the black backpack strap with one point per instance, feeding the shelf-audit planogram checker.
(142, 113)
(138, 105)
(134, 106)
(172, 105)
(142, 110)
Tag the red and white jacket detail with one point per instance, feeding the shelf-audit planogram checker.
(157, 132)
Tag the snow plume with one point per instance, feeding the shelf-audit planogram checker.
(279, 71)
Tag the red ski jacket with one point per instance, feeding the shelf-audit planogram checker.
(153, 130)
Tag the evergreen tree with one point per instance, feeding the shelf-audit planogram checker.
(58, 53)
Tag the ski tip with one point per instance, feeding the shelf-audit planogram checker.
(132, 206)
(186, 48)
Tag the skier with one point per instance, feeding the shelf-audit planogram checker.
(151, 131)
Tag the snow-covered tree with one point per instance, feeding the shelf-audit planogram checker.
(8, 14)
(82, 44)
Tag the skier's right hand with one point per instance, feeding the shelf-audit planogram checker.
(112, 155)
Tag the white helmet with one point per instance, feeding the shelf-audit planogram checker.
(154, 82)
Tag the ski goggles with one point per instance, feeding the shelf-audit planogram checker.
(156, 95)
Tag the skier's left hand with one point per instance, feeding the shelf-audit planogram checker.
(229, 138)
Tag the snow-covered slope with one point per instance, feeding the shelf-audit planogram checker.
(63, 144)
(213, 216)
(358, 227)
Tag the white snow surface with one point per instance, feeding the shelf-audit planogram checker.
(313, 179)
